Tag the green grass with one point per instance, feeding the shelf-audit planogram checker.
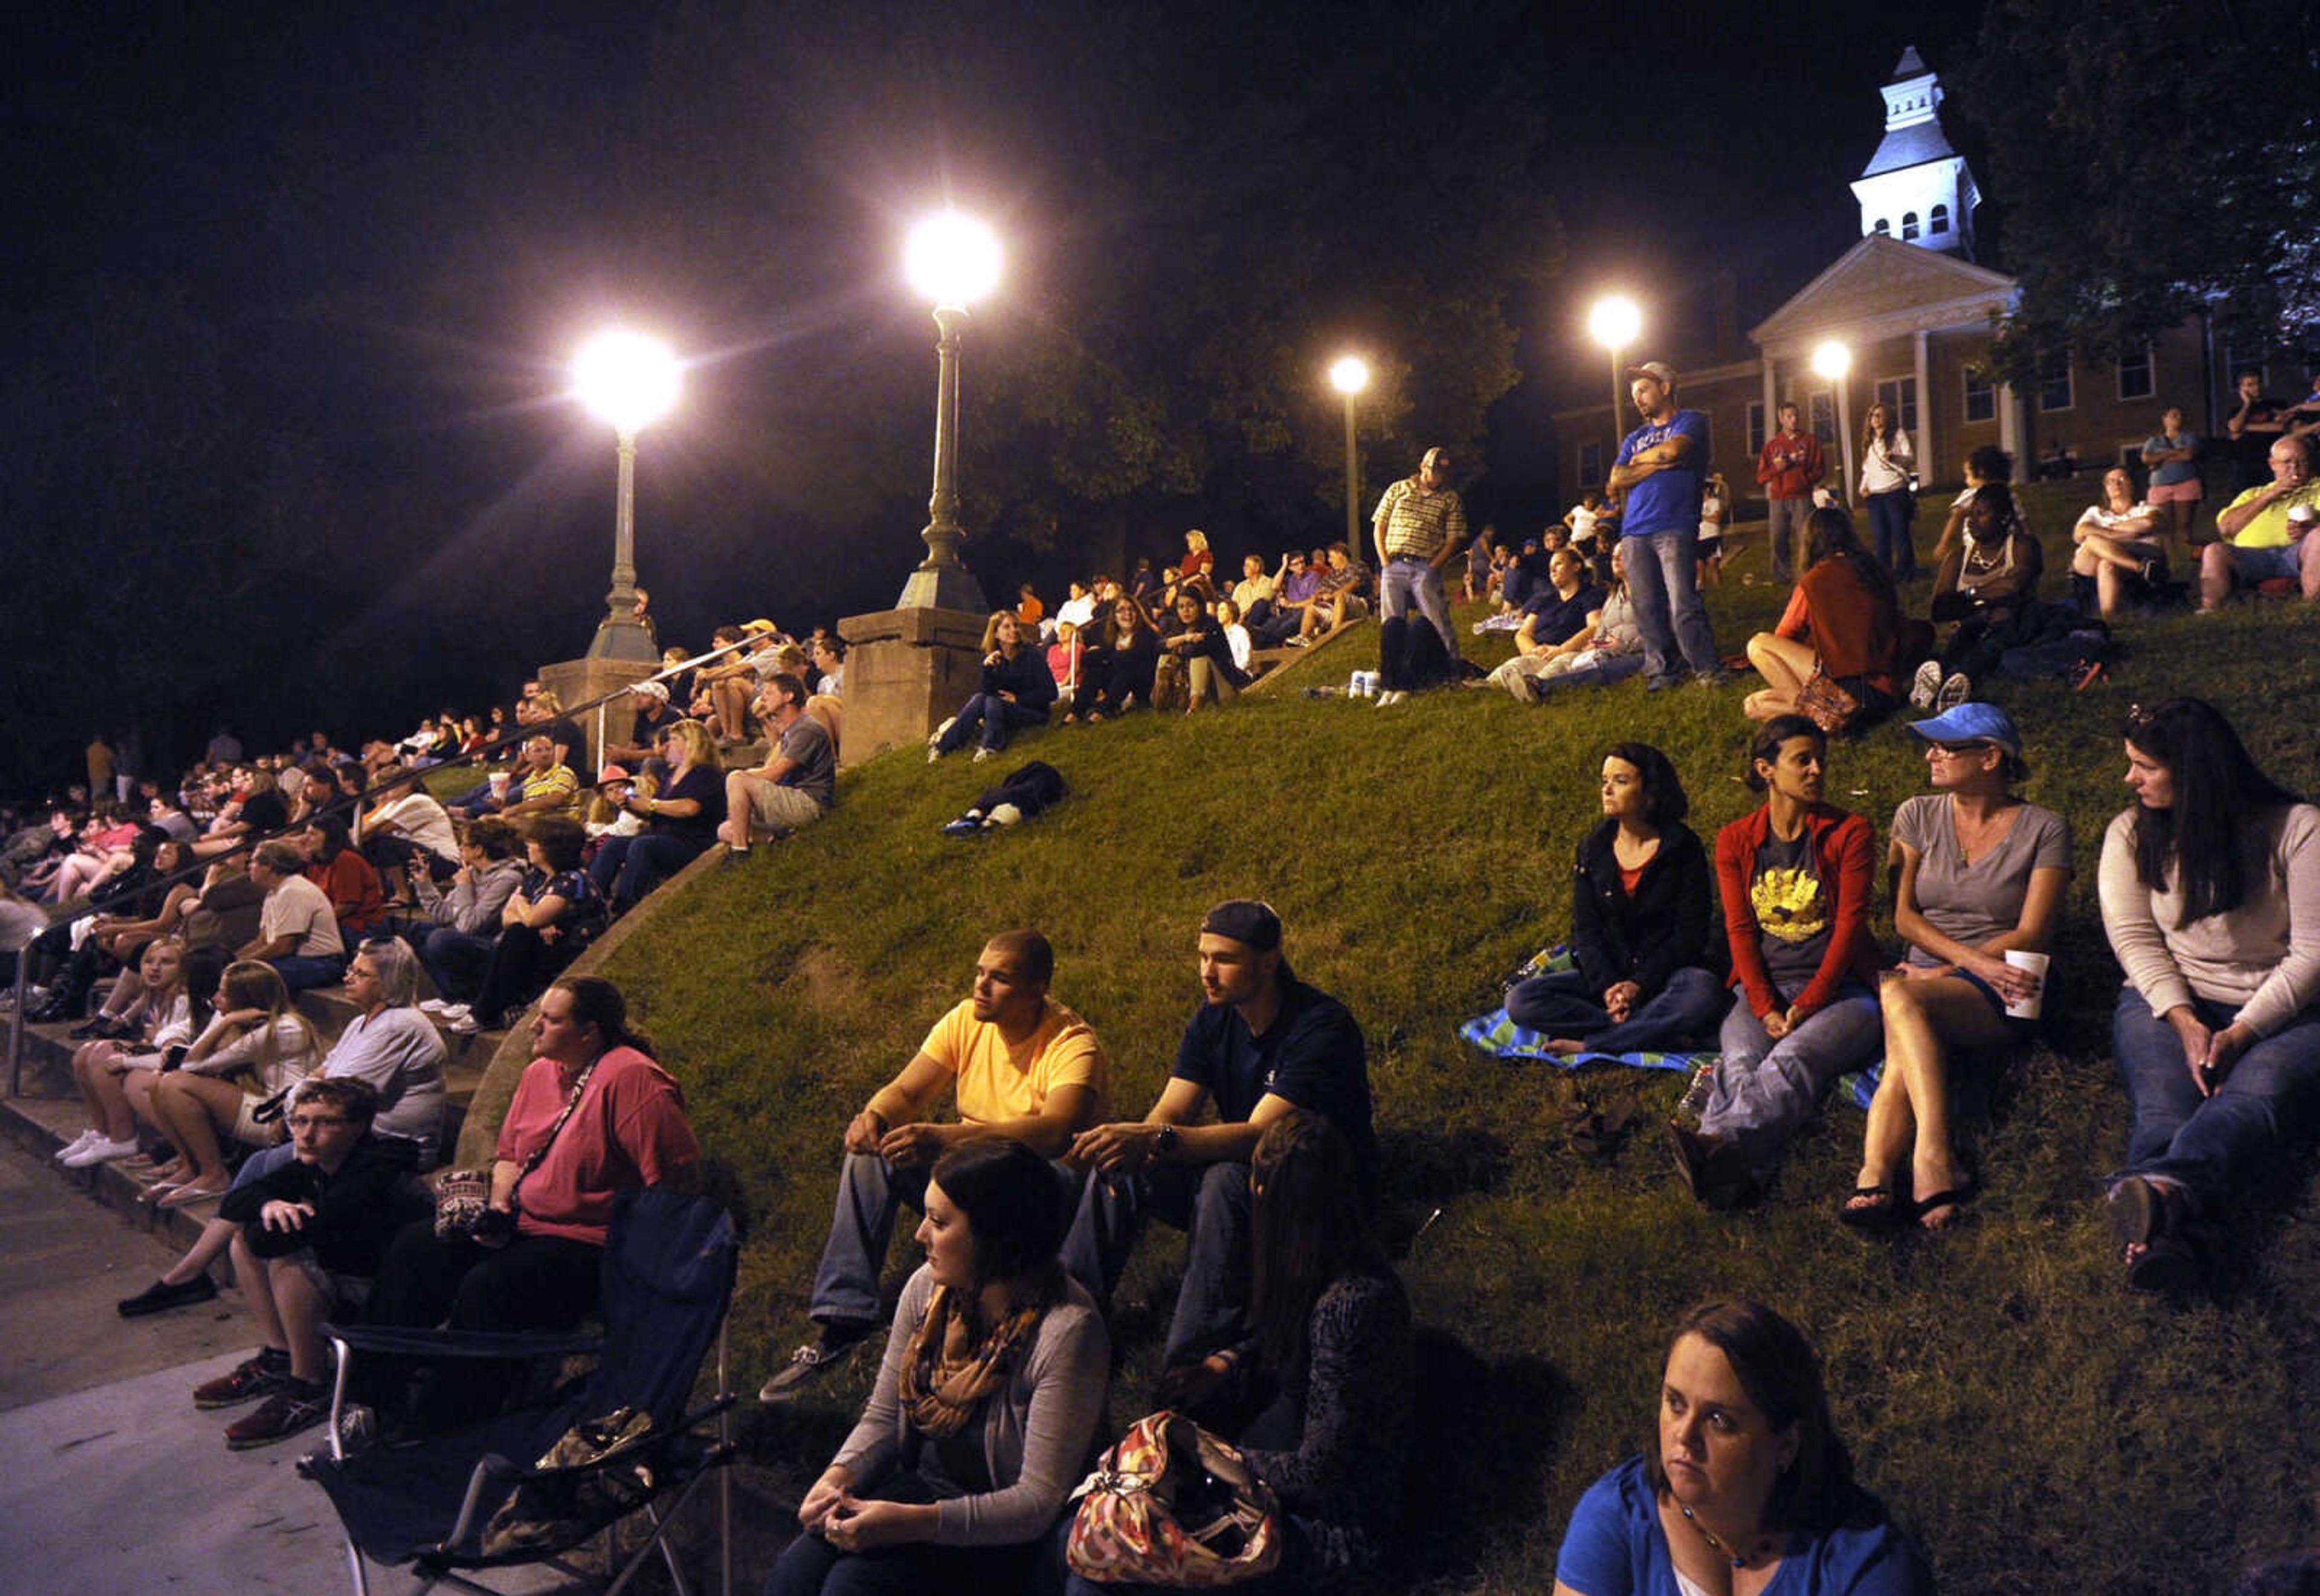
(2037, 1425)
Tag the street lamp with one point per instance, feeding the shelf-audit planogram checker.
(628, 381)
(953, 260)
(1616, 323)
(1832, 361)
(1349, 376)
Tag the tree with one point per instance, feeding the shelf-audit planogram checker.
(2151, 159)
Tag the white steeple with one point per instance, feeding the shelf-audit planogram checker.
(1915, 187)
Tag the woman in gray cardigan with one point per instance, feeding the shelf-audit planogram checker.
(984, 1414)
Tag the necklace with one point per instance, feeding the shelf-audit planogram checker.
(1737, 1559)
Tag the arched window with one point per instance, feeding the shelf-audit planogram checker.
(1883, 226)
(1939, 220)
(1909, 225)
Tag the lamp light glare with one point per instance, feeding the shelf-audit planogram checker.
(1615, 321)
(952, 259)
(1831, 359)
(1350, 374)
(626, 379)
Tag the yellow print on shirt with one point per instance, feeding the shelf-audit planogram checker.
(1789, 904)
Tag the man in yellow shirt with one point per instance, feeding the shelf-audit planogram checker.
(1019, 1065)
(2265, 531)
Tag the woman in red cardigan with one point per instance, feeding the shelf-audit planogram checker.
(1844, 620)
(1796, 877)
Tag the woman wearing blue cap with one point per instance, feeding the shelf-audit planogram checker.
(1981, 873)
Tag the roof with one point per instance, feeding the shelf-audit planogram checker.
(1910, 65)
(1881, 278)
(1911, 146)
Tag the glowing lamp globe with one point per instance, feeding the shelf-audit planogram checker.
(1350, 374)
(1615, 321)
(952, 259)
(626, 379)
(1831, 360)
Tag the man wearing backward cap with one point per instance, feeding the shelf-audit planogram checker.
(1262, 1043)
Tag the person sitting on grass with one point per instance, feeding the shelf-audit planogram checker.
(2210, 891)
(1984, 466)
(1317, 1398)
(2116, 554)
(255, 1047)
(1198, 643)
(1023, 1068)
(1016, 690)
(2265, 532)
(1980, 874)
(1743, 1484)
(985, 1410)
(1067, 663)
(1119, 672)
(795, 786)
(1641, 908)
(1558, 622)
(1842, 622)
(1796, 878)
(1987, 584)
(308, 1239)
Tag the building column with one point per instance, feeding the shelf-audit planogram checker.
(1772, 392)
(1924, 441)
(2010, 431)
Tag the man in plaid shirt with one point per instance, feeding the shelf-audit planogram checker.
(1420, 524)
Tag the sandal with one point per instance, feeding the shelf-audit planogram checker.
(2141, 1211)
(1873, 1208)
(1955, 1199)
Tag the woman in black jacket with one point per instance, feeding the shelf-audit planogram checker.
(1199, 640)
(1016, 690)
(1118, 675)
(1642, 905)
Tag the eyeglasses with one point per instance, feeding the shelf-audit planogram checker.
(1959, 750)
(317, 1121)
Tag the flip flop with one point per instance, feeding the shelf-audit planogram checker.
(1955, 1199)
(185, 1196)
(1885, 1211)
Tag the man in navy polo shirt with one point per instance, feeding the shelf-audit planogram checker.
(1657, 482)
(1260, 1044)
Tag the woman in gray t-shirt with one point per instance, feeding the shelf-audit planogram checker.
(1981, 872)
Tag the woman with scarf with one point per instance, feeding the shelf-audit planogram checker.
(984, 1414)
(1987, 584)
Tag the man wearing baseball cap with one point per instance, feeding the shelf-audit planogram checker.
(1656, 484)
(1260, 1044)
(653, 716)
(1420, 523)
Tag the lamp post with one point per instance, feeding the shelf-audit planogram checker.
(1349, 376)
(1832, 361)
(628, 381)
(953, 260)
(1614, 323)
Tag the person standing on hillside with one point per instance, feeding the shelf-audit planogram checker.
(1656, 484)
(1791, 467)
(1420, 524)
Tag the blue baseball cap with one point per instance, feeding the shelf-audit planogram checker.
(1971, 722)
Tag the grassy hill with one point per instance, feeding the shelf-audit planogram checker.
(2037, 1425)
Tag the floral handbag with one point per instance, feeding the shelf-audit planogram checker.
(1171, 1505)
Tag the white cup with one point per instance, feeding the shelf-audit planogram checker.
(499, 784)
(2034, 963)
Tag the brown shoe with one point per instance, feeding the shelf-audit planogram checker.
(247, 1380)
(298, 1406)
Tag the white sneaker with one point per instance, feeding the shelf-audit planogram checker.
(462, 1025)
(433, 1006)
(983, 754)
(1925, 684)
(1954, 692)
(103, 1149)
(80, 1144)
(456, 1010)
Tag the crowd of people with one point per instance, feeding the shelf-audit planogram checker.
(1290, 1334)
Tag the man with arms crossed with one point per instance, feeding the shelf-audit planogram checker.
(1657, 480)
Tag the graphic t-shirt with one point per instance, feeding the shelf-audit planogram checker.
(1668, 499)
(1793, 911)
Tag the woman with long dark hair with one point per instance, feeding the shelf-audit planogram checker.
(2210, 889)
(1120, 668)
(1989, 584)
(984, 1414)
(1887, 460)
(1843, 621)
(1641, 908)
(1743, 1484)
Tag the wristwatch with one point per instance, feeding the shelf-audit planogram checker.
(1167, 1142)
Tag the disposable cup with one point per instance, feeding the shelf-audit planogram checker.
(2035, 963)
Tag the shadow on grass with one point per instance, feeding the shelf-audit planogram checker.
(1485, 1432)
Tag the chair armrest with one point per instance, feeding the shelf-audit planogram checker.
(443, 1344)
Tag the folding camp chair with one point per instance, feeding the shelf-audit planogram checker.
(668, 1280)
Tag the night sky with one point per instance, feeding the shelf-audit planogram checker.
(338, 259)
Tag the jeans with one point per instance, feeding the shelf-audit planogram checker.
(810, 1566)
(1664, 582)
(301, 973)
(995, 717)
(1560, 1004)
(626, 868)
(456, 962)
(2214, 1146)
(1787, 518)
(1211, 1205)
(1890, 514)
(1407, 577)
(1764, 1090)
(871, 1192)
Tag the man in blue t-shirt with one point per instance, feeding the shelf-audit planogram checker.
(1656, 484)
(1260, 1044)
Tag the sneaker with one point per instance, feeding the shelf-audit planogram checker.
(297, 1405)
(1660, 684)
(983, 754)
(1390, 695)
(934, 738)
(433, 1006)
(934, 754)
(161, 1296)
(101, 1149)
(1299, 643)
(1956, 688)
(1717, 677)
(1926, 685)
(461, 1025)
(259, 1377)
(80, 1144)
(1696, 1095)
(809, 1363)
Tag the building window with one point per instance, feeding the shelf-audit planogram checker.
(2135, 378)
(1884, 225)
(1909, 226)
(1980, 397)
(1898, 395)
(1756, 433)
(1824, 418)
(2054, 380)
(1939, 221)
(1590, 465)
